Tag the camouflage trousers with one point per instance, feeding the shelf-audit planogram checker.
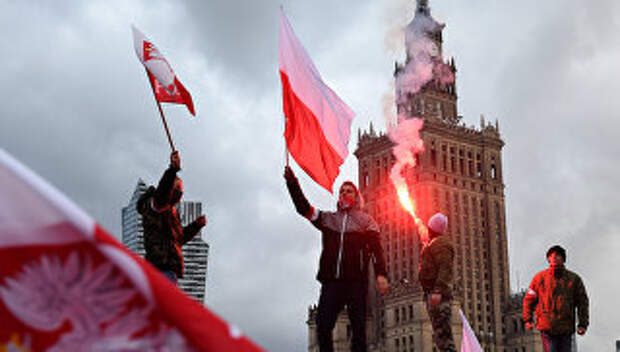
(440, 319)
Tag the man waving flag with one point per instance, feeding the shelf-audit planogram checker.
(318, 123)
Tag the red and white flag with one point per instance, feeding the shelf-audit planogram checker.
(166, 85)
(469, 343)
(318, 123)
(67, 285)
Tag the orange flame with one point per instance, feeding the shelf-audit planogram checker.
(409, 205)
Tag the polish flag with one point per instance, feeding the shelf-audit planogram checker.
(67, 285)
(166, 85)
(469, 343)
(318, 123)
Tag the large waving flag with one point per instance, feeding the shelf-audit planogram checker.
(67, 285)
(166, 85)
(318, 123)
(469, 343)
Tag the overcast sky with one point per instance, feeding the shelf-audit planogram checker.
(77, 108)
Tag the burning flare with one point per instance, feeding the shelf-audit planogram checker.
(409, 205)
(406, 135)
(423, 64)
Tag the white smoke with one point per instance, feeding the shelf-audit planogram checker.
(396, 15)
(424, 63)
(406, 135)
(419, 69)
(423, 58)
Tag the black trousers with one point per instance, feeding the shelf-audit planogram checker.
(334, 296)
(556, 343)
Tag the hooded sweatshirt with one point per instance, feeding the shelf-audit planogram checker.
(350, 239)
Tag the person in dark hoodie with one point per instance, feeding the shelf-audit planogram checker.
(350, 239)
(163, 233)
(435, 276)
(555, 294)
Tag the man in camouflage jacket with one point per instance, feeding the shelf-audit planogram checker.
(163, 233)
(435, 276)
(555, 293)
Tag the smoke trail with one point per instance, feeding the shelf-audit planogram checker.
(389, 109)
(406, 136)
(423, 58)
(395, 17)
(423, 64)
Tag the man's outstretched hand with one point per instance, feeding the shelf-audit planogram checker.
(581, 331)
(175, 160)
(201, 221)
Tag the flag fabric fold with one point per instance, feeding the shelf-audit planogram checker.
(469, 343)
(165, 84)
(318, 122)
(67, 285)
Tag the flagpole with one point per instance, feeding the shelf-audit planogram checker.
(161, 112)
(286, 152)
(285, 145)
(163, 119)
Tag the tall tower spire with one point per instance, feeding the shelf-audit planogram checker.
(423, 7)
(436, 96)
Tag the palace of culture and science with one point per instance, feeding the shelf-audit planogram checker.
(459, 174)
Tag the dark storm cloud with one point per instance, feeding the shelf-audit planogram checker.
(77, 109)
(242, 36)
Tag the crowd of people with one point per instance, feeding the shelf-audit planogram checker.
(351, 241)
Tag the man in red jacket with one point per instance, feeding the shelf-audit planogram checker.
(555, 293)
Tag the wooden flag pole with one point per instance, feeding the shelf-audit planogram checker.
(285, 145)
(161, 112)
(286, 152)
(163, 119)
